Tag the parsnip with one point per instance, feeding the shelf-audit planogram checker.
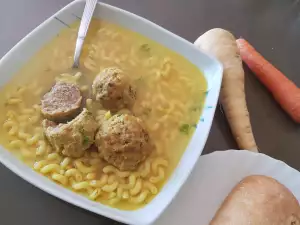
(222, 45)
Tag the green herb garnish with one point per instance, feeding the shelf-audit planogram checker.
(186, 128)
(145, 48)
(196, 108)
(147, 111)
(85, 140)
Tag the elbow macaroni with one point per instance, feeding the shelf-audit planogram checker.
(81, 185)
(95, 194)
(60, 178)
(159, 177)
(100, 183)
(50, 168)
(75, 174)
(140, 198)
(84, 169)
(110, 187)
(137, 188)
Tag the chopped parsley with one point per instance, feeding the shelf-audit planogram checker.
(145, 48)
(139, 81)
(85, 140)
(186, 128)
(196, 108)
(147, 111)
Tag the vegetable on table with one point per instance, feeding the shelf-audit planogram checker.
(222, 44)
(285, 92)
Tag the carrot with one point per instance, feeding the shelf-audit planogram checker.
(285, 92)
(222, 45)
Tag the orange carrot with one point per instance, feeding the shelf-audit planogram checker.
(285, 92)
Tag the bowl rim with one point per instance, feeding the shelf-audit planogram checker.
(43, 183)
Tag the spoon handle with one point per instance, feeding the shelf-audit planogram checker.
(84, 25)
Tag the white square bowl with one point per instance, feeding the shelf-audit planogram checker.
(211, 68)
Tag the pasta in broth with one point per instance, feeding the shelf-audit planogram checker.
(170, 96)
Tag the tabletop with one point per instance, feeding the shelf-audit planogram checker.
(272, 26)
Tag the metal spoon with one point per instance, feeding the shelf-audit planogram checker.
(88, 12)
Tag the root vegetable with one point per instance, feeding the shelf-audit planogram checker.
(222, 44)
(285, 92)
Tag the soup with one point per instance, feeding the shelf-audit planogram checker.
(168, 100)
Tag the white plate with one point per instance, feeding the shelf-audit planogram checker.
(212, 69)
(214, 177)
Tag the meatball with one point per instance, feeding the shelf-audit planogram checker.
(62, 102)
(113, 90)
(73, 138)
(123, 142)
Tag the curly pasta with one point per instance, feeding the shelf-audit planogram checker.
(112, 169)
(110, 187)
(137, 188)
(82, 168)
(38, 165)
(65, 162)
(95, 194)
(131, 183)
(100, 183)
(151, 187)
(91, 176)
(159, 177)
(140, 198)
(76, 174)
(159, 162)
(42, 148)
(50, 168)
(16, 144)
(11, 127)
(22, 135)
(147, 169)
(60, 178)
(81, 185)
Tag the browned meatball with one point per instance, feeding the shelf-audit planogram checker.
(112, 88)
(73, 138)
(62, 102)
(123, 142)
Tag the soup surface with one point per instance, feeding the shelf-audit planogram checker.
(170, 92)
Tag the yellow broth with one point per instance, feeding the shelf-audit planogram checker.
(170, 97)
